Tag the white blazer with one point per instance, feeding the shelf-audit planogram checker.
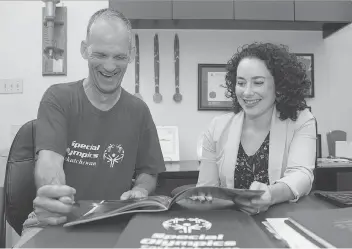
(292, 151)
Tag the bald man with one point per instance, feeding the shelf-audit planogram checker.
(92, 136)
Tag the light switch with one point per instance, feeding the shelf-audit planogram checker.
(11, 86)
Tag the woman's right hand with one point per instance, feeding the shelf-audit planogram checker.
(53, 203)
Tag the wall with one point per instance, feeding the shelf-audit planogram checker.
(338, 63)
(214, 47)
(23, 60)
(21, 45)
(20, 57)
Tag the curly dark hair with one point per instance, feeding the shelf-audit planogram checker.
(289, 75)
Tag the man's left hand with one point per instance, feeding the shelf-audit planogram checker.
(135, 193)
(256, 204)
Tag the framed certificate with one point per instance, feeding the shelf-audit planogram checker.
(211, 88)
(169, 142)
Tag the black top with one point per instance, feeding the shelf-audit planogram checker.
(252, 168)
(102, 150)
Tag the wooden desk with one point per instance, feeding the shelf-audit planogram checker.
(187, 165)
(333, 176)
(329, 176)
(177, 174)
(105, 233)
(331, 163)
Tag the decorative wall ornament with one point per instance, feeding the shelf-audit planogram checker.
(177, 96)
(157, 96)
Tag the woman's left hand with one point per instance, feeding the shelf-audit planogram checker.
(257, 204)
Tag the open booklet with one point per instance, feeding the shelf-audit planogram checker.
(105, 209)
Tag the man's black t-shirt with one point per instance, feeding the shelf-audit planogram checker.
(101, 149)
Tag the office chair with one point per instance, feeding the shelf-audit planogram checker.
(19, 186)
(319, 152)
(332, 137)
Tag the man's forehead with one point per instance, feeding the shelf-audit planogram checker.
(108, 28)
(106, 49)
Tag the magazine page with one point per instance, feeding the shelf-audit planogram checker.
(105, 209)
(216, 192)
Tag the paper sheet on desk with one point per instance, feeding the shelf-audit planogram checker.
(334, 160)
(288, 234)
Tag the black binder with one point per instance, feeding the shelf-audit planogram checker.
(194, 229)
(325, 228)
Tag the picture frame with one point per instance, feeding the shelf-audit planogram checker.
(211, 88)
(308, 60)
(169, 142)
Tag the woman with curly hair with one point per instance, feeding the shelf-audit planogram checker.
(269, 141)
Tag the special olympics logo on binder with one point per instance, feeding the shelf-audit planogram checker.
(187, 225)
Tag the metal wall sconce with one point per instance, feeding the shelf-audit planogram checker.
(54, 39)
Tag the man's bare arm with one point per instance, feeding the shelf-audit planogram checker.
(147, 182)
(49, 169)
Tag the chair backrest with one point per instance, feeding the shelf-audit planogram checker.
(19, 185)
(318, 141)
(319, 153)
(316, 154)
(332, 137)
(2, 220)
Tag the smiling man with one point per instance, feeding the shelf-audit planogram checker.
(92, 136)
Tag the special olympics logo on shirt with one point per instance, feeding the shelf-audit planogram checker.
(187, 225)
(114, 153)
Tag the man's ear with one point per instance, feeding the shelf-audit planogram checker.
(132, 54)
(84, 50)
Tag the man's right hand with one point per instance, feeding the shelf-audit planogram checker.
(53, 203)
